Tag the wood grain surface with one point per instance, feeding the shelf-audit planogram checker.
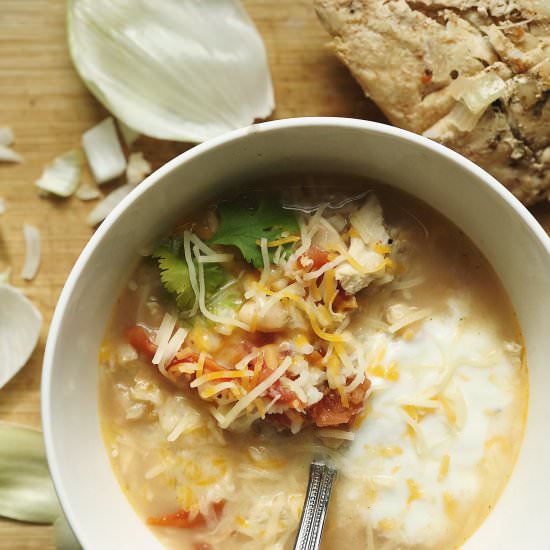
(43, 100)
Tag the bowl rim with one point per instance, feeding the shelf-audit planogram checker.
(500, 193)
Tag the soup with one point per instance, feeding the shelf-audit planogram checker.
(334, 318)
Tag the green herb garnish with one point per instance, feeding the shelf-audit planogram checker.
(174, 274)
(243, 227)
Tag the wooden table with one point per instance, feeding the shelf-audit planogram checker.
(43, 100)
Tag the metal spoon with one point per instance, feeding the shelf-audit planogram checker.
(321, 478)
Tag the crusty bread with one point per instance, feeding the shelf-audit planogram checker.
(411, 56)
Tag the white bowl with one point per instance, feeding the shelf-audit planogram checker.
(503, 229)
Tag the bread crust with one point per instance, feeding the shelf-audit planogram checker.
(409, 56)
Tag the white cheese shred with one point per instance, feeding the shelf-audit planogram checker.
(336, 434)
(192, 271)
(172, 347)
(202, 304)
(243, 363)
(249, 398)
(409, 319)
(215, 258)
(323, 269)
(163, 336)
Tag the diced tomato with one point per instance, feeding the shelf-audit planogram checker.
(277, 389)
(138, 338)
(182, 520)
(357, 396)
(318, 255)
(331, 412)
(286, 395)
(315, 357)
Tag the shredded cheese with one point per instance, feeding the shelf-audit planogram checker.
(202, 246)
(200, 363)
(275, 297)
(243, 363)
(314, 323)
(280, 242)
(257, 367)
(210, 392)
(241, 405)
(278, 254)
(172, 347)
(208, 314)
(409, 319)
(381, 248)
(215, 258)
(220, 374)
(336, 434)
(324, 268)
(414, 492)
(185, 368)
(444, 468)
(163, 335)
(330, 289)
(192, 272)
(272, 403)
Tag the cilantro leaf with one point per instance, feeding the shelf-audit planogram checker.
(242, 227)
(174, 274)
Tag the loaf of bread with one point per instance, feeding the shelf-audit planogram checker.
(471, 74)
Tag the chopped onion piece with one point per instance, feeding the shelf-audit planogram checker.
(32, 252)
(8, 155)
(103, 151)
(483, 90)
(185, 71)
(87, 192)
(138, 168)
(5, 276)
(26, 489)
(6, 136)
(20, 324)
(460, 119)
(103, 208)
(129, 135)
(62, 176)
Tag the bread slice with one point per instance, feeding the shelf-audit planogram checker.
(473, 75)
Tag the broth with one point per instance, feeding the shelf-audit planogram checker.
(432, 449)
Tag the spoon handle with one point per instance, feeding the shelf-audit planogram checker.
(321, 478)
